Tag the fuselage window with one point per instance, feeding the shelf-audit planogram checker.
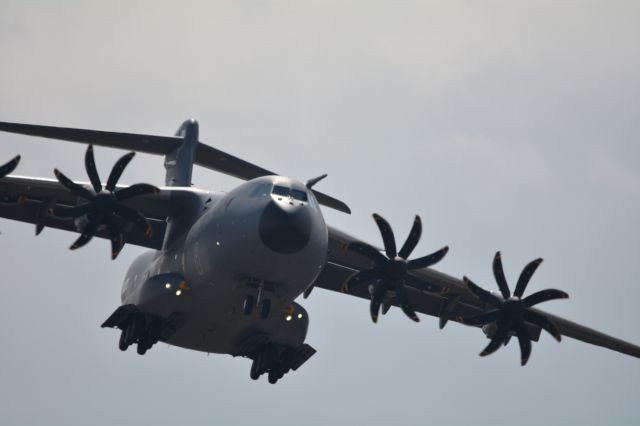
(280, 190)
(299, 195)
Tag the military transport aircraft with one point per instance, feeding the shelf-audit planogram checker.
(225, 269)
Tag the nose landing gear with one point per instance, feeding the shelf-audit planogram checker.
(259, 301)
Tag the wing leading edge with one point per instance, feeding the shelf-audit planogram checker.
(38, 197)
(440, 295)
(205, 155)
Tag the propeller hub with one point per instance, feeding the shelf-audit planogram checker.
(397, 267)
(513, 307)
(105, 199)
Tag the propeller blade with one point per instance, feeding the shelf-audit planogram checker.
(498, 273)
(525, 343)
(360, 277)
(482, 294)
(482, 319)
(10, 166)
(369, 252)
(403, 300)
(498, 339)
(544, 323)
(90, 165)
(387, 236)
(116, 237)
(87, 233)
(412, 240)
(117, 170)
(426, 261)
(65, 212)
(543, 296)
(76, 189)
(385, 307)
(376, 301)
(525, 276)
(135, 191)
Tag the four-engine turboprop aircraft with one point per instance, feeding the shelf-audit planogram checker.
(225, 269)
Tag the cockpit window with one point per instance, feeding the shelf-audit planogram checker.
(299, 195)
(261, 190)
(280, 190)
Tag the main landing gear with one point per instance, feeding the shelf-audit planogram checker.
(274, 360)
(277, 360)
(142, 331)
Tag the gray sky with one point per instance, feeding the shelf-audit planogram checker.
(506, 125)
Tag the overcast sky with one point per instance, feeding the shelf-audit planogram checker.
(508, 126)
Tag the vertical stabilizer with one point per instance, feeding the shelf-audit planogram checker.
(179, 163)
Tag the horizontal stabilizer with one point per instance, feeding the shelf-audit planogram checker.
(205, 155)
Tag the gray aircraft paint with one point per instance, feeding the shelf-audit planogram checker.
(530, 107)
(218, 279)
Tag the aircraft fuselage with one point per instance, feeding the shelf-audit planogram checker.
(254, 245)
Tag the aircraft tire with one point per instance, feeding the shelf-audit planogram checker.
(123, 344)
(266, 309)
(248, 305)
(142, 348)
(255, 370)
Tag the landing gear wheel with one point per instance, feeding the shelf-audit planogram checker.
(248, 305)
(255, 370)
(266, 308)
(273, 377)
(123, 344)
(142, 348)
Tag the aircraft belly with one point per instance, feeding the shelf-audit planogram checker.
(217, 323)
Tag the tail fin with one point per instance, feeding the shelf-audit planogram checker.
(179, 162)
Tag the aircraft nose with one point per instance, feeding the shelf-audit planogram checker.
(285, 228)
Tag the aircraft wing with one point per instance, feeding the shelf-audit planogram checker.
(434, 293)
(205, 155)
(33, 198)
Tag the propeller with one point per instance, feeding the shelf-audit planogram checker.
(10, 166)
(510, 312)
(390, 270)
(5, 169)
(103, 206)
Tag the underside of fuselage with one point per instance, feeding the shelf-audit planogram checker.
(228, 285)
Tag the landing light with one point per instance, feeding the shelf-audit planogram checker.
(299, 316)
(289, 317)
(167, 285)
(178, 293)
